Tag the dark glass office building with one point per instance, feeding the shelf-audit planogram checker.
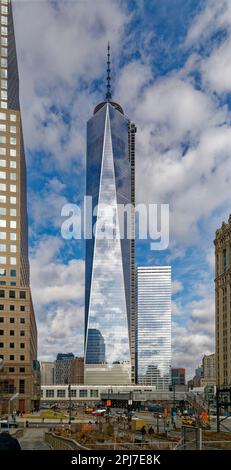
(109, 282)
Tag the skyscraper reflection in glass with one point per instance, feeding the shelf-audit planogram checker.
(153, 331)
(109, 262)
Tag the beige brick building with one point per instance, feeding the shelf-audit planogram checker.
(18, 333)
(223, 303)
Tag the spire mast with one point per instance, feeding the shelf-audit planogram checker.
(108, 94)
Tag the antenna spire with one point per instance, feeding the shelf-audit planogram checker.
(108, 94)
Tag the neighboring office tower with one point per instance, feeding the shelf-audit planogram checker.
(222, 244)
(153, 337)
(18, 333)
(47, 373)
(110, 274)
(63, 368)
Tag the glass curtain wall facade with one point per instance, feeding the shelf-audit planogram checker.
(153, 334)
(18, 333)
(109, 315)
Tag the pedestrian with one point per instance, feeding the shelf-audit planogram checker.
(8, 442)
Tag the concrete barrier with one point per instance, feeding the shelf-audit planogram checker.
(62, 443)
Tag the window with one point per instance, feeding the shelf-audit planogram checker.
(73, 393)
(13, 284)
(4, 51)
(2, 293)
(83, 393)
(3, 92)
(2, 187)
(2, 272)
(3, 118)
(22, 320)
(2, 199)
(22, 333)
(12, 151)
(13, 188)
(1, 345)
(13, 212)
(12, 294)
(3, 61)
(4, 9)
(2, 139)
(21, 369)
(13, 224)
(94, 393)
(11, 345)
(2, 247)
(22, 358)
(3, 104)
(11, 308)
(13, 117)
(22, 308)
(11, 369)
(11, 357)
(13, 129)
(61, 393)
(2, 211)
(12, 261)
(1, 320)
(4, 73)
(13, 176)
(4, 84)
(2, 151)
(13, 141)
(22, 294)
(1, 307)
(3, 175)
(2, 260)
(22, 345)
(3, 163)
(2, 223)
(13, 164)
(1, 332)
(4, 19)
(13, 200)
(11, 320)
(2, 283)
(13, 273)
(11, 332)
(21, 386)
(2, 235)
(50, 393)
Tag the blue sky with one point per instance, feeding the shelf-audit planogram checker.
(171, 68)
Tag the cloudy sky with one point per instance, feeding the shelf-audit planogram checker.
(171, 68)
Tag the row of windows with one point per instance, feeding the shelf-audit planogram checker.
(13, 223)
(22, 333)
(12, 357)
(12, 345)
(13, 141)
(3, 163)
(12, 309)
(11, 187)
(3, 175)
(62, 393)
(13, 248)
(21, 369)
(12, 212)
(13, 199)
(13, 152)
(13, 117)
(12, 294)
(12, 260)
(12, 273)
(22, 321)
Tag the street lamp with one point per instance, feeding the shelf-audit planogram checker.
(69, 392)
(16, 395)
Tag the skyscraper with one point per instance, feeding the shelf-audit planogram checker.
(109, 274)
(153, 335)
(223, 303)
(18, 333)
